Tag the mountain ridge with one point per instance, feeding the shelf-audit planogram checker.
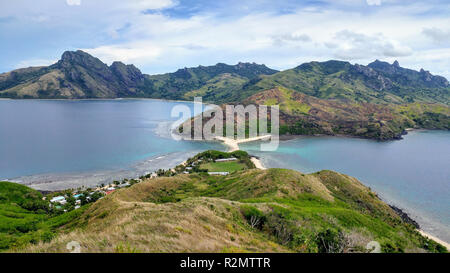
(80, 75)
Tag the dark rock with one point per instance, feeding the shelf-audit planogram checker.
(405, 217)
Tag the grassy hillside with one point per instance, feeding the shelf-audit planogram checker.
(215, 83)
(25, 218)
(301, 114)
(273, 210)
(343, 81)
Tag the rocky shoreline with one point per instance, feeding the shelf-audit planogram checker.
(405, 217)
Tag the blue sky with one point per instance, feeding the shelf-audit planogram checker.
(163, 35)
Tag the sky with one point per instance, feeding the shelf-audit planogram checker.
(160, 36)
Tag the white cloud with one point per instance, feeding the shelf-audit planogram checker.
(149, 4)
(373, 2)
(296, 38)
(73, 2)
(355, 46)
(34, 62)
(158, 43)
(137, 53)
(437, 35)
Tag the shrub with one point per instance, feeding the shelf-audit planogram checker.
(254, 217)
(332, 241)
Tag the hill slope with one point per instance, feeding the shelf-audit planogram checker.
(26, 218)
(273, 210)
(301, 114)
(214, 83)
(379, 82)
(76, 75)
(79, 75)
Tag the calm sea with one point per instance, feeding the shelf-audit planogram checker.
(55, 144)
(413, 173)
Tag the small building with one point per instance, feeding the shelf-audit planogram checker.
(188, 168)
(109, 192)
(77, 196)
(218, 173)
(58, 199)
(226, 159)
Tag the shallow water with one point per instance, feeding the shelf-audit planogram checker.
(413, 173)
(55, 144)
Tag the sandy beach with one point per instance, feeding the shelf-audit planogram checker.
(447, 245)
(257, 163)
(233, 145)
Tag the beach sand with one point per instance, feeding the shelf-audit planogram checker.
(233, 145)
(447, 245)
(257, 163)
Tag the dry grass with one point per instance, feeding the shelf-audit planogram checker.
(192, 225)
(201, 213)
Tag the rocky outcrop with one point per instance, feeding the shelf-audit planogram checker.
(408, 77)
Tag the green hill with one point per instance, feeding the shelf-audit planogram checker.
(379, 82)
(273, 210)
(214, 83)
(26, 218)
(302, 114)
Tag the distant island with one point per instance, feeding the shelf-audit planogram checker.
(377, 101)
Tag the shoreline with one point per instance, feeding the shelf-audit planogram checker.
(233, 144)
(434, 238)
(91, 178)
(258, 163)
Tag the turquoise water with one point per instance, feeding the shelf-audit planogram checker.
(42, 139)
(413, 173)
